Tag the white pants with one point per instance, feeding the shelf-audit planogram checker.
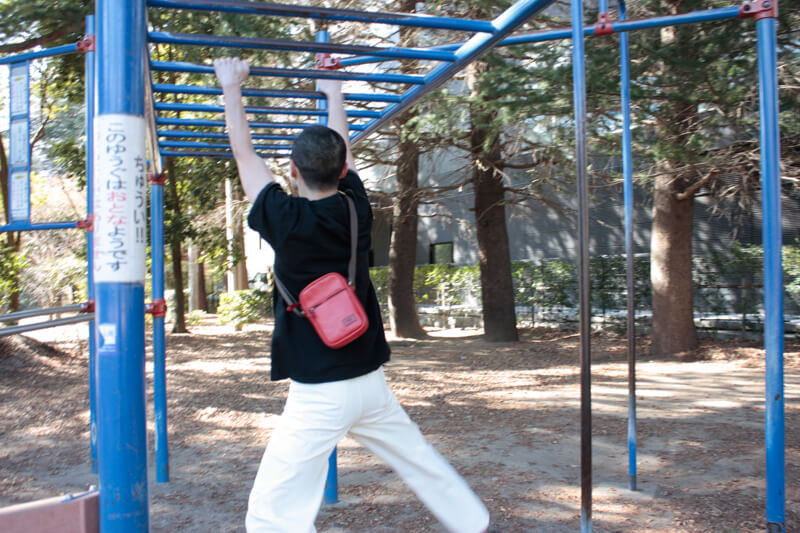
(288, 488)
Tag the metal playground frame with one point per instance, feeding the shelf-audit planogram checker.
(127, 137)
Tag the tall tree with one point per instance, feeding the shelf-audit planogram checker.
(403, 316)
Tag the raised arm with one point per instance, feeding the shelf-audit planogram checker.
(337, 118)
(253, 171)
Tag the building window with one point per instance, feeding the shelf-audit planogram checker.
(441, 253)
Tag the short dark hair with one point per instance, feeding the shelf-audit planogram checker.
(319, 153)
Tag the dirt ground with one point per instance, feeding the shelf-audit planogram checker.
(505, 415)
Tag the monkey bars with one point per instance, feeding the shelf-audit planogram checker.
(129, 109)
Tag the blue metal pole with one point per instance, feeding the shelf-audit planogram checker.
(331, 494)
(273, 93)
(188, 134)
(328, 14)
(180, 66)
(223, 155)
(299, 46)
(90, 112)
(619, 26)
(159, 348)
(220, 146)
(503, 25)
(41, 226)
(50, 52)
(221, 123)
(579, 96)
(773, 273)
(119, 269)
(627, 171)
(300, 111)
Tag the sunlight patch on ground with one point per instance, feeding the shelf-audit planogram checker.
(222, 367)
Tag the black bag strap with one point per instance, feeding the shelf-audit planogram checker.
(294, 306)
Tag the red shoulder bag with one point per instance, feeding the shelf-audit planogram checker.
(330, 302)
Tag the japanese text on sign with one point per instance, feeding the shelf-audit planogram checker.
(20, 195)
(19, 143)
(120, 223)
(19, 90)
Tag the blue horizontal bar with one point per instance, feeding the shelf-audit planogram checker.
(38, 227)
(507, 22)
(179, 66)
(285, 10)
(674, 20)
(628, 25)
(221, 123)
(272, 93)
(221, 146)
(49, 52)
(299, 46)
(224, 155)
(206, 108)
(184, 134)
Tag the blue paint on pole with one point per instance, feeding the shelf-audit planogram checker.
(119, 265)
(627, 171)
(90, 110)
(159, 347)
(773, 274)
(331, 494)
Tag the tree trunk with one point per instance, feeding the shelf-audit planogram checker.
(671, 269)
(13, 243)
(174, 236)
(240, 268)
(497, 291)
(202, 295)
(403, 317)
(671, 238)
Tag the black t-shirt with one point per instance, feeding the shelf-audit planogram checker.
(310, 239)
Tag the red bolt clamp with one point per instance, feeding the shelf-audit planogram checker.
(324, 61)
(87, 306)
(157, 308)
(157, 179)
(86, 44)
(603, 25)
(87, 223)
(759, 9)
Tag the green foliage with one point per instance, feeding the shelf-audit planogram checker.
(791, 268)
(380, 281)
(727, 280)
(243, 307)
(196, 317)
(11, 264)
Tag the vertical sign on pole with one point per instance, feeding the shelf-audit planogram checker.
(19, 165)
(120, 237)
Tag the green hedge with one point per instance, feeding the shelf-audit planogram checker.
(243, 307)
(725, 282)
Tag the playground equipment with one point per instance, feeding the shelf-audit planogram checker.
(128, 125)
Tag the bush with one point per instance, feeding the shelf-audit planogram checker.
(243, 307)
(791, 267)
(11, 264)
(195, 318)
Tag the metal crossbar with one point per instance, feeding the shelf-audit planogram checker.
(19, 315)
(16, 330)
(383, 107)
